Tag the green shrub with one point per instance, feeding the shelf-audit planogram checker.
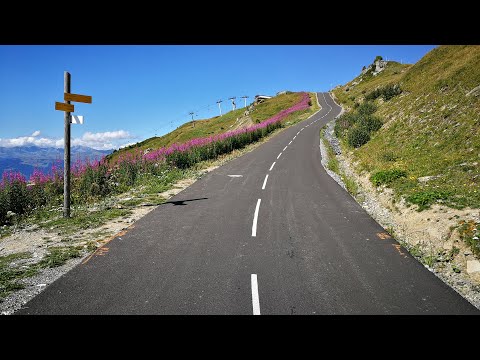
(358, 124)
(370, 123)
(14, 196)
(357, 136)
(389, 91)
(344, 122)
(18, 201)
(387, 176)
(38, 195)
(373, 95)
(94, 183)
(426, 198)
(127, 173)
(367, 108)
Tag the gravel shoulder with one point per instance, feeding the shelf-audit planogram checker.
(428, 235)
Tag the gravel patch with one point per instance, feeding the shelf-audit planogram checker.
(331, 138)
(35, 285)
(324, 161)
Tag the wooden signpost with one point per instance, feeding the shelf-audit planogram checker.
(68, 108)
(64, 107)
(78, 98)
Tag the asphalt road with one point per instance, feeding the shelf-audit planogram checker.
(292, 243)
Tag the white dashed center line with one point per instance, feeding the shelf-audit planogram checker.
(285, 148)
(290, 142)
(265, 182)
(255, 300)
(255, 218)
(271, 167)
(279, 155)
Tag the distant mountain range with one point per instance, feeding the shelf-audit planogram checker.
(27, 158)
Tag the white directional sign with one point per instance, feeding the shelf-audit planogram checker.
(77, 119)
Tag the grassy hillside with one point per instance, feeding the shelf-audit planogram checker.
(218, 124)
(428, 148)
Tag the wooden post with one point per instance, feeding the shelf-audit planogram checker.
(66, 160)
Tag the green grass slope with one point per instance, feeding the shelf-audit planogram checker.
(430, 131)
(217, 124)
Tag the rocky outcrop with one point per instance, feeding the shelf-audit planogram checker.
(377, 66)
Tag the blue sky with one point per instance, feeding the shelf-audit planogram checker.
(142, 91)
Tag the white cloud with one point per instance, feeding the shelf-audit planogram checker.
(28, 140)
(109, 135)
(103, 140)
(126, 144)
(100, 141)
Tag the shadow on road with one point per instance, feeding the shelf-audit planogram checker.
(182, 202)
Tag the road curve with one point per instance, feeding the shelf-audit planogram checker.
(292, 242)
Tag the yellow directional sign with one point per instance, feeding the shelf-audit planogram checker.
(78, 98)
(64, 107)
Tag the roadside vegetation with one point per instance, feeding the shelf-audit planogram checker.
(15, 267)
(334, 165)
(216, 125)
(429, 142)
(111, 188)
(156, 169)
(357, 126)
(427, 149)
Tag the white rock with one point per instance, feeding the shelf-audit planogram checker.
(425, 179)
(473, 266)
(475, 91)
